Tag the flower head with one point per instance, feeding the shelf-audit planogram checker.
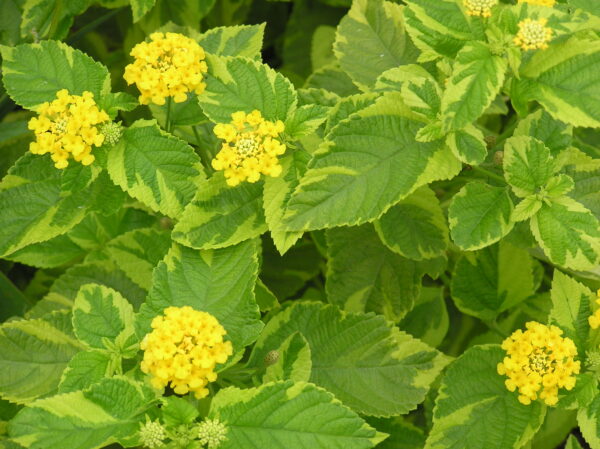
(549, 3)
(481, 8)
(112, 132)
(539, 362)
(67, 127)
(533, 34)
(594, 319)
(152, 434)
(212, 433)
(183, 349)
(170, 65)
(250, 148)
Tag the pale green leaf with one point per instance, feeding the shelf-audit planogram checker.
(415, 227)
(220, 282)
(285, 415)
(528, 165)
(306, 120)
(347, 106)
(155, 168)
(477, 77)
(428, 320)
(540, 125)
(371, 39)
(588, 419)
(468, 145)
(84, 369)
(221, 215)
(475, 410)
(237, 40)
(293, 361)
(479, 215)
(370, 366)
(568, 233)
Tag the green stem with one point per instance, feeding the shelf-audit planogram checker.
(168, 119)
(488, 173)
(205, 155)
(92, 25)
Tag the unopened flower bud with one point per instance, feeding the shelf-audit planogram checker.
(212, 433)
(152, 434)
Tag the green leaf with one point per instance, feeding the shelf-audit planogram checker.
(568, 233)
(221, 215)
(284, 415)
(468, 145)
(238, 40)
(492, 280)
(332, 80)
(220, 282)
(527, 165)
(84, 369)
(563, 79)
(155, 168)
(50, 19)
(137, 253)
(276, 196)
(369, 162)
(573, 443)
(34, 354)
(306, 120)
(477, 76)
(347, 106)
(526, 208)
(402, 434)
(293, 362)
(139, 8)
(479, 215)
(370, 366)
(37, 203)
(100, 314)
(371, 39)
(265, 298)
(415, 227)
(110, 411)
(240, 84)
(178, 411)
(428, 320)
(571, 307)
(481, 412)
(437, 27)
(33, 73)
(588, 419)
(540, 125)
(363, 275)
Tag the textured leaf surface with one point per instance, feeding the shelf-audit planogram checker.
(492, 280)
(369, 162)
(481, 412)
(240, 84)
(415, 227)
(84, 369)
(428, 320)
(370, 366)
(155, 168)
(282, 415)
(34, 354)
(221, 215)
(220, 282)
(109, 411)
(371, 39)
(238, 40)
(294, 361)
(527, 165)
(479, 215)
(363, 275)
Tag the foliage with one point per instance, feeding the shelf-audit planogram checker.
(364, 202)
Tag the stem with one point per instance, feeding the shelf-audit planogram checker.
(92, 25)
(205, 156)
(489, 174)
(168, 119)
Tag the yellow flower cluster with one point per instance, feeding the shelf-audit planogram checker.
(183, 349)
(539, 362)
(549, 3)
(533, 34)
(67, 127)
(170, 65)
(481, 8)
(250, 148)
(594, 319)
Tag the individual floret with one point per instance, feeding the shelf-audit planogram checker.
(250, 149)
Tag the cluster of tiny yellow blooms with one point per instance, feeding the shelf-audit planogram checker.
(594, 319)
(67, 127)
(481, 8)
(539, 362)
(533, 34)
(170, 65)
(549, 3)
(183, 349)
(212, 433)
(250, 148)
